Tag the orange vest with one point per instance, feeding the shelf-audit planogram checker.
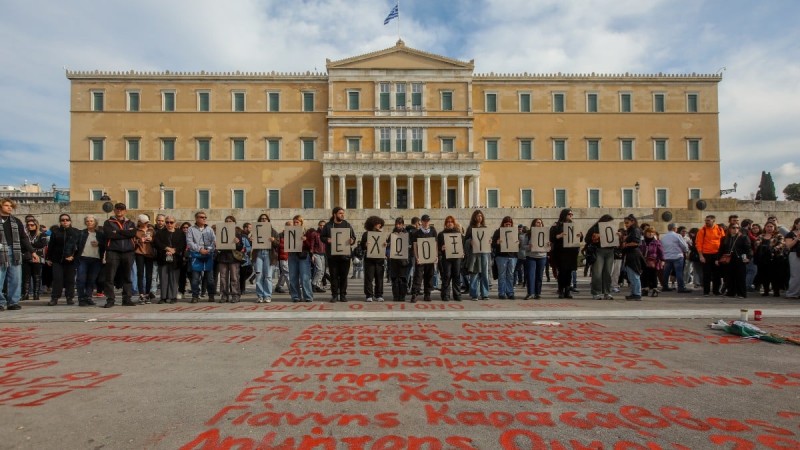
(708, 239)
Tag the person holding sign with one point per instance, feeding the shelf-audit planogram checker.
(451, 252)
(338, 237)
(201, 242)
(505, 243)
(478, 259)
(373, 245)
(229, 260)
(264, 257)
(564, 258)
(426, 256)
(399, 261)
(600, 242)
(535, 245)
(634, 261)
(298, 245)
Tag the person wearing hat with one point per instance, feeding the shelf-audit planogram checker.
(120, 233)
(145, 254)
(423, 273)
(338, 265)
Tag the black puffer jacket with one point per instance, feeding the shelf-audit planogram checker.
(63, 243)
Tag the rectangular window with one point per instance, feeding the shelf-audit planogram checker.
(353, 100)
(658, 103)
(383, 96)
(626, 149)
(132, 151)
(204, 149)
(168, 149)
(132, 199)
(591, 103)
(273, 149)
(274, 101)
(660, 149)
(594, 198)
(238, 102)
(416, 96)
(492, 198)
(203, 101)
(627, 198)
(308, 149)
(95, 195)
(491, 150)
(385, 139)
(661, 198)
(524, 102)
(416, 139)
(448, 145)
(559, 101)
(308, 198)
(447, 100)
(400, 96)
(400, 142)
(526, 198)
(694, 194)
(96, 147)
(273, 198)
(203, 199)
(559, 150)
(97, 100)
(693, 146)
(237, 199)
(491, 102)
(593, 149)
(308, 101)
(353, 144)
(168, 101)
(560, 196)
(624, 102)
(525, 149)
(237, 149)
(133, 101)
(691, 103)
(169, 199)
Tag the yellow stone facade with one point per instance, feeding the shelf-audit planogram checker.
(397, 128)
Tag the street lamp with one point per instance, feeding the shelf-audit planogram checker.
(728, 191)
(637, 186)
(161, 192)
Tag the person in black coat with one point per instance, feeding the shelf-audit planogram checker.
(170, 244)
(737, 245)
(565, 259)
(61, 252)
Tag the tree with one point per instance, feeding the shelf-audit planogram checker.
(766, 189)
(792, 192)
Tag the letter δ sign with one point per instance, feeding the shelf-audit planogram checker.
(226, 236)
(509, 240)
(453, 245)
(340, 241)
(293, 239)
(262, 232)
(426, 250)
(376, 244)
(608, 235)
(481, 240)
(570, 237)
(398, 242)
(540, 242)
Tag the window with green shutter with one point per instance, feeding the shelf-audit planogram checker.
(448, 145)
(308, 101)
(691, 103)
(558, 102)
(238, 199)
(308, 149)
(526, 198)
(625, 102)
(238, 101)
(97, 100)
(593, 149)
(203, 101)
(168, 149)
(169, 199)
(273, 198)
(238, 149)
(626, 147)
(168, 101)
(133, 101)
(491, 102)
(400, 96)
(561, 198)
(594, 198)
(97, 149)
(274, 101)
(308, 198)
(525, 149)
(203, 199)
(627, 198)
(95, 195)
(661, 198)
(491, 150)
(659, 103)
(660, 150)
(133, 149)
(400, 141)
(273, 149)
(591, 103)
(524, 102)
(385, 143)
(416, 96)
(353, 100)
(203, 149)
(354, 144)
(694, 194)
(492, 198)
(132, 199)
(447, 101)
(383, 96)
(694, 149)
(416, 139)
(559, 150)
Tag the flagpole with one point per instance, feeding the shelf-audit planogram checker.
(398, 20)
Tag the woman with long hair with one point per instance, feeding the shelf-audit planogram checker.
(477, 263)
(633, 260)
(565, 259)
(654, 259)
(603, 264)
(91, 250)
(373, 266)
(263, 260)
(398, 267)
(300, 267)
(791, 241)
(506, 261)
(32, 271)
(450, 268)
(536, 261)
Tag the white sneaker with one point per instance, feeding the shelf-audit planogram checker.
(260, 300)
(369, 299)
(180, 296)
(379, 299)
(268, 300)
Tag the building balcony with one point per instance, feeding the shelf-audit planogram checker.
(396, 156)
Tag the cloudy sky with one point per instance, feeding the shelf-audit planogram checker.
(756, 45)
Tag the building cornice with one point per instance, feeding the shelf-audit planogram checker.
(400, 47)
(170, 75)
(593, 76)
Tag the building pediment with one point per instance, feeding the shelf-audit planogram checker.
(400, 57)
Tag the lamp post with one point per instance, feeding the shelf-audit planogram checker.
(728, 191)
(161, 192)
(637, 186)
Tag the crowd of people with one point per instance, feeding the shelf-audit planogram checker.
(150, 263)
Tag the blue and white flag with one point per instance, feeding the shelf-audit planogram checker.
(393, 14)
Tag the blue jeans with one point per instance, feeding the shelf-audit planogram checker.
(601, 271)
(677, 266)
(479, 282)
(535, 273)
(263, 269)
(300, 276)
(635, 281)
(752, 271)
(14, 275)
(88, 270)
(505, 275)
(210, 285)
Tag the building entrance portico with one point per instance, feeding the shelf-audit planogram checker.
(400, 183)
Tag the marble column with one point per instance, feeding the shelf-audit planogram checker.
(427, 192)
(326, 192)
(393, 191)
(443, 203)
(460, 192)
(376, 192)
(342, 191)
(477, 184)
(410, 189)
(360, 191)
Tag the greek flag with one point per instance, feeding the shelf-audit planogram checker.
(393, 14)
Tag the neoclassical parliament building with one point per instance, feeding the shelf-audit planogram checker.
(396, 128)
